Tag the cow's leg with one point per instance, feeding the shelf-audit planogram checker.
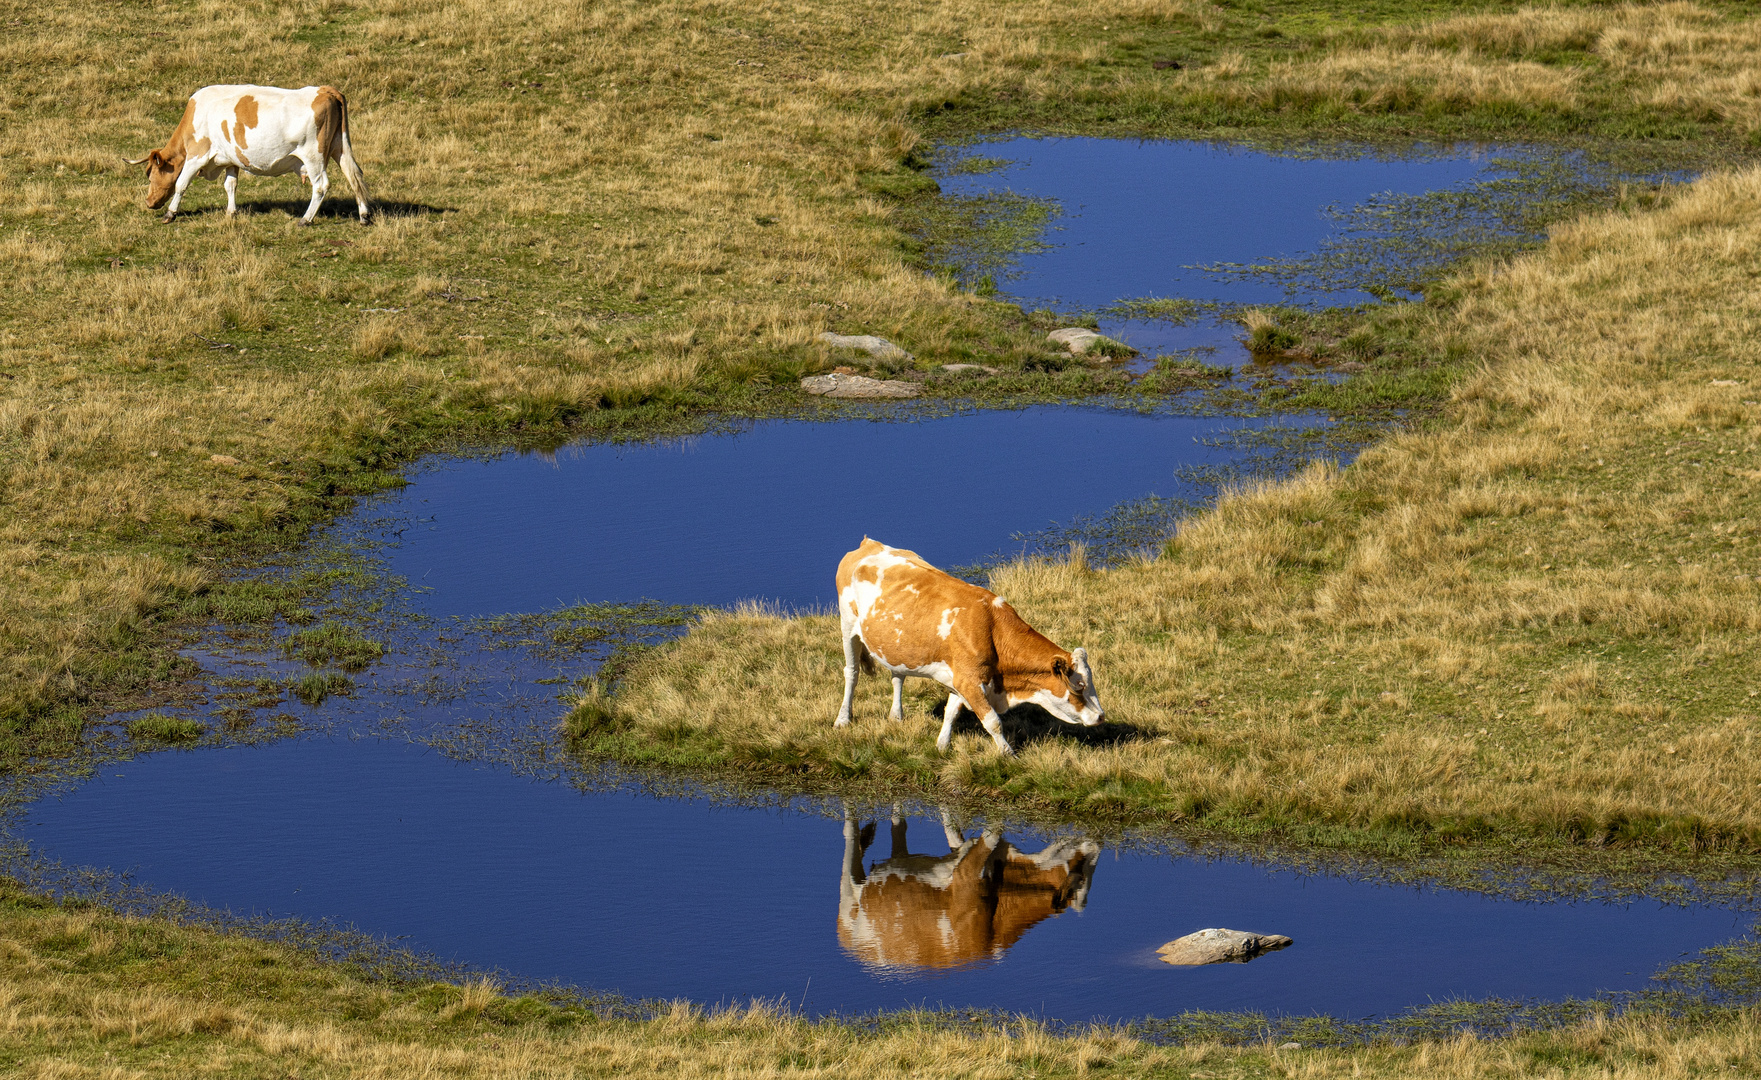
(320, 187)
(950, 832)
(898, 712)
(190, 169)
(850, 647)
(231, 185)
(955, 704)
(975, 692)
(856, 841)
(900, 850)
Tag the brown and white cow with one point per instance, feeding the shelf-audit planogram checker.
(922, 911)
(915, 620)
(263, 130)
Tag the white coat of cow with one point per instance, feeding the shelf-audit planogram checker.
(264, 130)
(915, 620)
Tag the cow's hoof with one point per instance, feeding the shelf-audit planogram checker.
(166, 220)
(305, 222)
(842, 721)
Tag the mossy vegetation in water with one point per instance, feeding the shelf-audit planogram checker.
(158, 727)
(333, 643)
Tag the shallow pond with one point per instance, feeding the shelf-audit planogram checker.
(767, 512)
(1217, 223)
(462, 835)
(678, 897)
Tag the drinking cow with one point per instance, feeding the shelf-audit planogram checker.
(912, 619)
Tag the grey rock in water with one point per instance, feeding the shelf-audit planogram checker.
(877, 347)
(1218, 946)
(838, 385)
(1080, 340)
(958, 368)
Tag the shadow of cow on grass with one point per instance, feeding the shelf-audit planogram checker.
(1027, 724)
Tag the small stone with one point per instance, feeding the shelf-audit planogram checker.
(857, 386)
(958, 368)
(223, 459)
(1725, 382)
(878, 347)
(1290, 1046)
(1219, 946)
(1080, 340)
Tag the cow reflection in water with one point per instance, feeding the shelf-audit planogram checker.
(943, 911)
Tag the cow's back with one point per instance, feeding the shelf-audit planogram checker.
(904, 603)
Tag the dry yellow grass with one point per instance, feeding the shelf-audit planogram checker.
(1535, 618)
(1679, 60)
(86, 994)
(589, 206)
(602, 240)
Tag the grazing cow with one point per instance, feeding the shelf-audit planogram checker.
(922, 911)
(261, 129)
(915, 620)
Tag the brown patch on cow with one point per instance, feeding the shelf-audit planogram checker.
(246, 114)
(330, 110)
(164, 165)
(988, 643)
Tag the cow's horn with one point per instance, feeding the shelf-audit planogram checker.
(142, 161)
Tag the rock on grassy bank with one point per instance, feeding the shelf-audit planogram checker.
(1532, 619)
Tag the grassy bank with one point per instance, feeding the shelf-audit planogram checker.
(595, 218)
(87, 993)
(1531, 621)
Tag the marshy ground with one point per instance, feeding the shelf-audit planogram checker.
(1526, 621)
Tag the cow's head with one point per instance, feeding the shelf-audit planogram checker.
(162, 172)
(1069, 691)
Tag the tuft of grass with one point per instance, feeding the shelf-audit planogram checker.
(158, 727)
(313, 687)
(331, 642)
(1265, 338)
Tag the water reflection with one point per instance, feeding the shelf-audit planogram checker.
(914, 912)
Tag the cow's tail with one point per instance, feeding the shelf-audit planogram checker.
(863, 657)
(336, 146)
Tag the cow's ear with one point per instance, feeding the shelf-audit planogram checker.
(1060, 668)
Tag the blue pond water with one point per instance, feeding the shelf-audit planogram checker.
(767, 513)
(468, 856)
(1138, 219)
(665, 897)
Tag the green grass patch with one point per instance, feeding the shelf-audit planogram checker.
(333, 643)
(159, 727)
(313, 687)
